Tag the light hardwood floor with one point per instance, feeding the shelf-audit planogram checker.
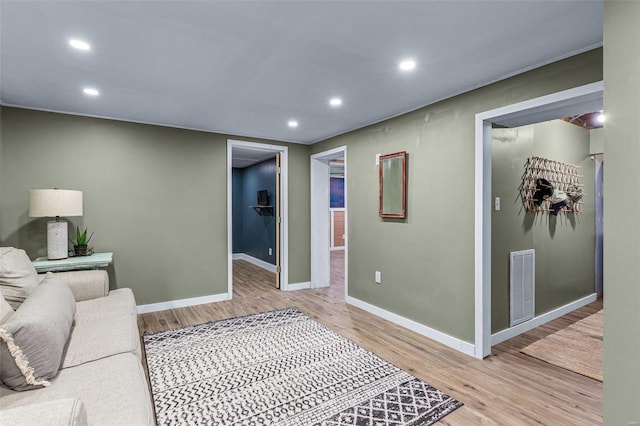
(508, 388)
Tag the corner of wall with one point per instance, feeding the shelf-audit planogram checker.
(1, 180)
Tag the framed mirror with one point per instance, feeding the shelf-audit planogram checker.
(393, 172)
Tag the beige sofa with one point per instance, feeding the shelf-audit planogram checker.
(101, 380)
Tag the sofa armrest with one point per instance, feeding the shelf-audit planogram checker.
(59, 412)
(86, 285)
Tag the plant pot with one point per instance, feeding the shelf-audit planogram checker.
(80, 250)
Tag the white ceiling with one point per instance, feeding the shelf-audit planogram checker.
(247, 67)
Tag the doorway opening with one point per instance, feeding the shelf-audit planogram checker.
(328, 235)
(263, 202)
(562, 104)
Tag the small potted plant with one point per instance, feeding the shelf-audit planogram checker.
(80, 246)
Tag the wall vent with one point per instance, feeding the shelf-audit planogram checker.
(522, 285)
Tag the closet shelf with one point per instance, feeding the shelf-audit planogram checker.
(263, 210)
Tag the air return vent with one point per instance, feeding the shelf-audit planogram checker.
(522, 285)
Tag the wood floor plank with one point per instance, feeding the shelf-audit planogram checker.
(507, 388)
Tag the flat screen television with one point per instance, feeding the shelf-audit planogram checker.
(263, 197)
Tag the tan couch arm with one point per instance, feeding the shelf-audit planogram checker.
(60, 412)
(86, 285)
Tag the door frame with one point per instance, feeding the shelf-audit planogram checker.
(483, 151)
(320, 238)
(284, 209)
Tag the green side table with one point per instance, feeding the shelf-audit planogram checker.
(95, 261)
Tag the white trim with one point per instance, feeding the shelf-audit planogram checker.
(438, 336)
(346, 226)
(514, 331)
(483, 150)
(284, 209)
(255, 261)
(320, 221)
(299, 286)
(182, 303)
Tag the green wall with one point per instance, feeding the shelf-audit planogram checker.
(597, 141)
(427, 260)
(564, 244)
(155, 196)
(622, 213)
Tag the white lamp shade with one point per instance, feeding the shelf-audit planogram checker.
(55, 202)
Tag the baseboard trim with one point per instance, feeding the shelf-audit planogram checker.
(255, 261)
(298, 286)
(509, 333)
(440, 337)
(182, 303)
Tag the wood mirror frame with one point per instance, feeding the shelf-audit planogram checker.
(393, 192)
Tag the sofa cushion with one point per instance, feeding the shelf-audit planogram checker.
(114, 391)
(90, 341)
(60, 412)
(118, 302)
(33, 339)
(113, 316)
(5, 309)
(18, 277)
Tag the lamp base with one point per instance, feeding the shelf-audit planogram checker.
(57, 246)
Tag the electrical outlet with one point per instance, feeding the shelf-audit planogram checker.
(270, 251)
(378, 277)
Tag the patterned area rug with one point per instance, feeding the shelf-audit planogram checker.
(577, 348)
(281, 367)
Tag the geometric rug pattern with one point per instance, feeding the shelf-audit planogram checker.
(281, 368)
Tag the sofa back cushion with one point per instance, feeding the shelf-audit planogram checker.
(33, 339)
(5, 309)
(18, 277)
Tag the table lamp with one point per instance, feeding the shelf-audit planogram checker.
(55, 203)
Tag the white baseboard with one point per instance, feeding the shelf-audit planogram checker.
(514, 331)
(255, 261)
(298, 286)
(172, 304)
(438, 336)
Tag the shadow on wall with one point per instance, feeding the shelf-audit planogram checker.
(32, 238)
(531, 219)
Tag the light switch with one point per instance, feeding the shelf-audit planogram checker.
(497, 204)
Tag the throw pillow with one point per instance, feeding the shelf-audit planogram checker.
(33, 339)
(18, 277)
(5, 309)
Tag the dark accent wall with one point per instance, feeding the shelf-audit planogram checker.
(257, 233)
(336, 192)
(237, 207)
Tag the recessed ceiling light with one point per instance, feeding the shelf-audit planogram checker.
(335, 102)
(79, 44)
(601, 118)
(91, 91)
(292, 123)
(407, 65)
